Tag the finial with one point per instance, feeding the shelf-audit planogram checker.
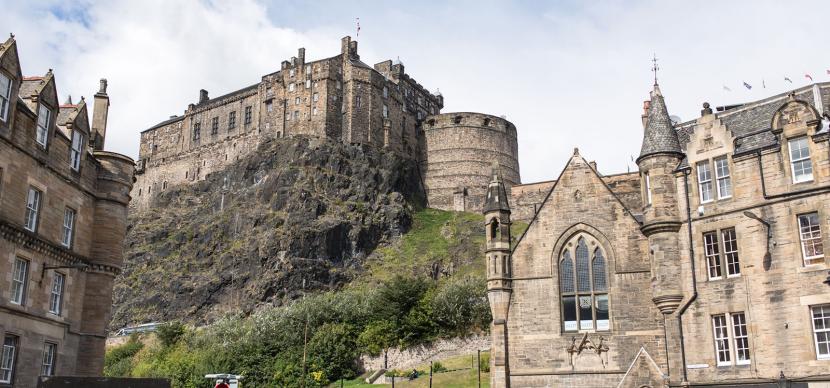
(654, 67)
(576, 151)
(68, 100)
(11, 35)
(707, 110)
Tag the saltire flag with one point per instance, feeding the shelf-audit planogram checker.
(808, 76)
(763, 83)
(748, 86)
(358, 28)
(788, 79)
(726, 88)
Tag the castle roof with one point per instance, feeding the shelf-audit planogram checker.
(659, 136)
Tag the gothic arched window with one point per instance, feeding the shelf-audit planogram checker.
(583, 285)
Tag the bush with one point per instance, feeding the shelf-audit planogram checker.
(460, 307)
(334, 349)
(484, 362)
(437, 367)
(169, 333)
(118, 361)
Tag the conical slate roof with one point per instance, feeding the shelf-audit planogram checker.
(496, 193)
(659, 136)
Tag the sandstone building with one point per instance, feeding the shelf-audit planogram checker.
(705, 268)
(339, 98)
(63, 209)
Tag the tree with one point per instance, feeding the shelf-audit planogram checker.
(378, 337)
(334, 351)
(169, 333)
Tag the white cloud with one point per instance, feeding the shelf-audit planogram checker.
(569, 74)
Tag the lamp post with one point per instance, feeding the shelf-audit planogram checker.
(80, 266)
(767, 254)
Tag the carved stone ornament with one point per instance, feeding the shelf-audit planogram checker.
(600, 349)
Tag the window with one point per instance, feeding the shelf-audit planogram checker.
(722, 176)
(291, 87)
(76, 151)
(821, 329)
(315, 97)
(337, 84)
(214, 126)
(308, 69)
(648, 188)
(716, 261)
(296, 115)
(308, 84)
(385, 111)
(56, 296)
(8, 359)
(800, 161)
(314, 111)
(731, 339)
(197, 131)
(583, 288)
(32, 208)
(296, 100)
(68, 227)
(810, 232)
(5, 96)
(269, 106)
(231, 120)
(47, 368)
(43, 117)
(385, 92)
(20, 281)
(248, 115)
(704, 181)
(357, 102)
(291, 72)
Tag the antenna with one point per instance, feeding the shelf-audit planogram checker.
(654, 67)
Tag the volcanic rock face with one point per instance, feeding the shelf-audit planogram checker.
(297, 209)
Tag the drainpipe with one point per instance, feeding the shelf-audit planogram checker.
(694, 275)
(789, 193)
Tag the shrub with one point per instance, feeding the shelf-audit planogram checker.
(484, 362)
(169, 333)
(437, 367)
(118, 361)
(334, 349)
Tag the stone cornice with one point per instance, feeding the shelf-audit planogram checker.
(660, 227)
(29, 240)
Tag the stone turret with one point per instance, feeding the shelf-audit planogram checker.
(499, 285)
(659, 157)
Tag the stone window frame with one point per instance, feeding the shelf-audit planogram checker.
(36, 210)
(248, 115)
(726, 335)
(9, 354)
(56, 298)
(24, 283)
(715, 178)
(723, 258)
(231, 120)
(68, 231)
(50, 357)
(214, 126)
(825, 330)
(568, 251)
(819, 259)
(197, 131)
(791, 162)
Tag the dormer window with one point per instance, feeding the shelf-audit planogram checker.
(76, 151)
(43, 117)
(5, 96)
(802, 166)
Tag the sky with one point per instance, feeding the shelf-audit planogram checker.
(566, 73)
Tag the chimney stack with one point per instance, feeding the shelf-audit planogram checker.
(301, 54)
(345, 45)
(100, 111)
(203, 96)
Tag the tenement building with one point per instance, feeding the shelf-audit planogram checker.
(339, 98)
(63, 208)
(708, 267)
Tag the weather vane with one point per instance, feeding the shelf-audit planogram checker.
(654, 68)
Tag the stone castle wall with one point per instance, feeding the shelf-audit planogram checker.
(459, 150)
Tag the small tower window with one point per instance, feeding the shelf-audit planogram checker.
(494, 229)
(456, 120)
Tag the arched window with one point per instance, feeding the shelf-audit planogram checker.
(494, 229)
(583, 285)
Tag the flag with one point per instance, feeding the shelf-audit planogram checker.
(726, 88)
(828, 71)
(358, 28)
(808, 76)
(788, 79)
(748, 86)
(763, 83)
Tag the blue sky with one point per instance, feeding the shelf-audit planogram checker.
(568, 73)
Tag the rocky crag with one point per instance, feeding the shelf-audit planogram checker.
(297, 210)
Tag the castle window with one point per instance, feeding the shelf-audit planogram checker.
(731, 339)
(291, 73)
(821, 330)
(68, 227)
(487, 122)
(296, 115)
(357, 102)
(314, 111)
(308, 84)
(296, 100)
(315, 97)
(269, 106)
(291, 87)
(802, 166)
(308, 69)
(197, 131)
(56, 295)
(647, 185)
(5, 96)
(76, 151)
(385, 92)
(584, 287)
(715, 261)
(456, 120)
(812, 247)
(32, 209)
(20, 281)
(385, 111)
(248, 115)
(704, 181)
(43, 117)
(723, 178)
(337, 84)
(214, 126)
(231, 120)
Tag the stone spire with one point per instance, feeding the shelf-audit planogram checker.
(496, 193)
(659, 136)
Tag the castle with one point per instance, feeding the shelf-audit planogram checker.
(708, 267)
(63, 218)
(339, 98)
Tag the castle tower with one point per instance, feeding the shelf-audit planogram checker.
(658, 159)
(499, 287)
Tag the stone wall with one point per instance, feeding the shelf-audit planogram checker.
(458, 157)
(418, 355)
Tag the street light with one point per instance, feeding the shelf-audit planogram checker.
(767, 255)
(80, 266)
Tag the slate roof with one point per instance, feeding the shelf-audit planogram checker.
(496, 193)
(750, 123)
(659, 135)
(29, 86)
(229, 95)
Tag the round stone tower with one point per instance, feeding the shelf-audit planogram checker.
(458, 153)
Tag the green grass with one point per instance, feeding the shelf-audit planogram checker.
(457, 379)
